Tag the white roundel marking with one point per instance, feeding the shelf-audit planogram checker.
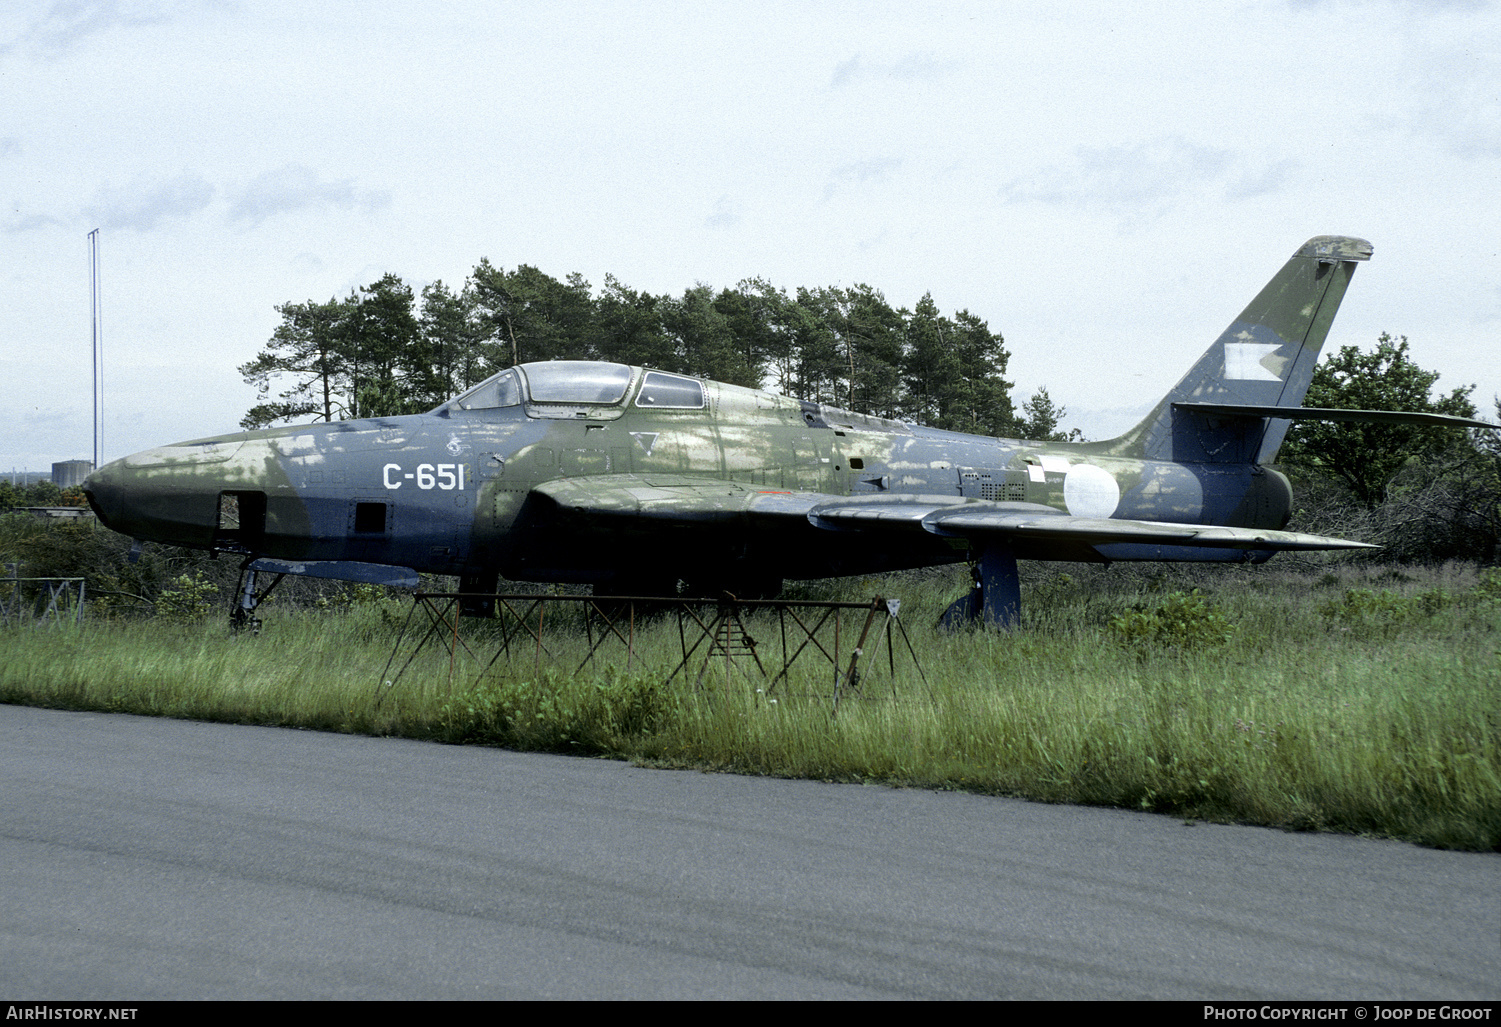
(1089, 491)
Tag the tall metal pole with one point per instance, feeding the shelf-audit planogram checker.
(94, 304)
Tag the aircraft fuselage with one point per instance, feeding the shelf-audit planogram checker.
(453, 491)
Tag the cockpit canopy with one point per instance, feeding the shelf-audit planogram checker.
(560, 388)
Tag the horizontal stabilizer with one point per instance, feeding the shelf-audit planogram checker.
(1333, 414)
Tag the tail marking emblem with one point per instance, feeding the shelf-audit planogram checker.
(1243, 362)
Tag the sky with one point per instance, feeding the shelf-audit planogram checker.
(1106, 184)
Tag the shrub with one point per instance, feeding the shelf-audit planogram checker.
(1183, 621)
(188, 597)
(557, 715)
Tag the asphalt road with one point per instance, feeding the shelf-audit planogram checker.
(148, 859)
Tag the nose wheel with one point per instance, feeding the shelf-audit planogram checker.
(242, 617)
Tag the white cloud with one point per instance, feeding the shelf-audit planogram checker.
(1148, 179)
(1259, 181)
(144, 204)
(295, 187)
(726, 214)
(66, 23)
(18, 223)
(1150, 173)
(910, 67)
(875, 169)
(1459, 102)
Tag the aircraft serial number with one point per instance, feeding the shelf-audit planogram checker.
(426, 476)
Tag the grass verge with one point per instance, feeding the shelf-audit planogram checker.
(1350, 698)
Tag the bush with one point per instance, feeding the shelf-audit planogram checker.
(556, 714)
(189, 598)
(1183, 621)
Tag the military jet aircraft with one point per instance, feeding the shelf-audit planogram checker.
(642, 482)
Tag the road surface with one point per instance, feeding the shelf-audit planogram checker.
(148, 859)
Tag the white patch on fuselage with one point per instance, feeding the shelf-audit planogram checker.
(1243, 362)
(1089, 491)
(297, 445)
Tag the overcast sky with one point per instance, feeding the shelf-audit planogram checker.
(1107, 184)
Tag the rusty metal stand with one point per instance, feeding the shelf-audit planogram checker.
(719, 635)
(54, 601)
(727, 636)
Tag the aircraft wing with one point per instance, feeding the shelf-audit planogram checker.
(978, 519)
(687, 499)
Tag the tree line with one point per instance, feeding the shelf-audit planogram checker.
(1425, 494)
(382, 350)
(41, 492)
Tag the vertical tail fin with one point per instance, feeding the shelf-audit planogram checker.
(1265, 358)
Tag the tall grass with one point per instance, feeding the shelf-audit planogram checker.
(1350, 698)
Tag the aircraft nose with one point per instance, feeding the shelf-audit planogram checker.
(167, 495)
(102, 488)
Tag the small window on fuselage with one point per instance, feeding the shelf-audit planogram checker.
(662, 391)
(369, 518)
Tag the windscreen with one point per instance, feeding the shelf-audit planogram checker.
(503, 390)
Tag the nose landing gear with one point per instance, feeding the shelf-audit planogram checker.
(242, 616)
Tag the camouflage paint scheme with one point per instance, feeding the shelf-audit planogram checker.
(530, 476)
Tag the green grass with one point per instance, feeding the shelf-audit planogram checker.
(1334, 696)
